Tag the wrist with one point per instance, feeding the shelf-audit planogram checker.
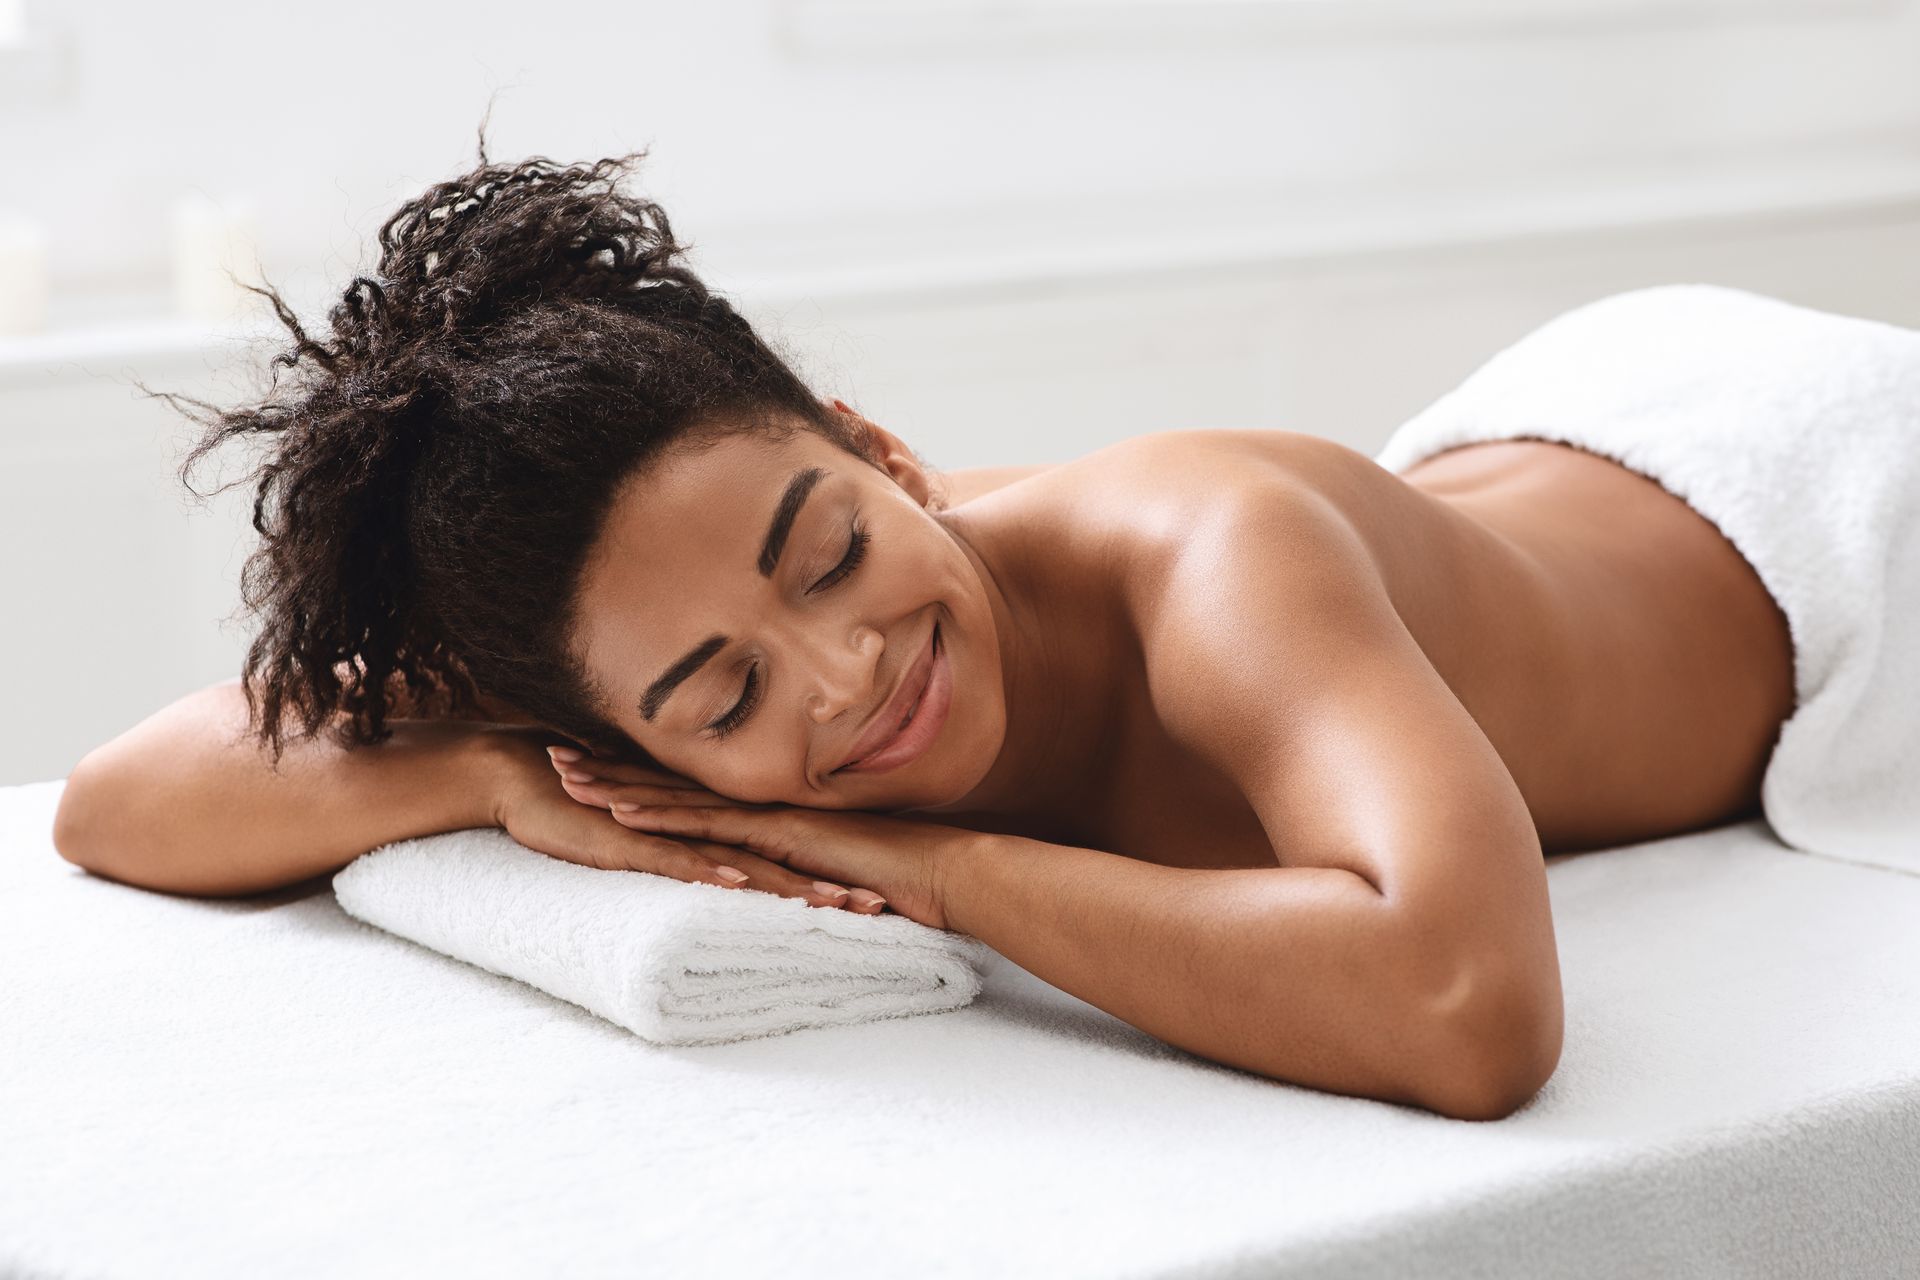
(964, 871)
(498, 765)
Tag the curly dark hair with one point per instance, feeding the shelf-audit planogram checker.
(441, 467)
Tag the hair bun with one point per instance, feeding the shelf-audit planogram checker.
(501, 238)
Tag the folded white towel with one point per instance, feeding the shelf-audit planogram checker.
(673, 962)
(1797, 433)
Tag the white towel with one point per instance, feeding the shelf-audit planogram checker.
(670, 961)
(1797, 433)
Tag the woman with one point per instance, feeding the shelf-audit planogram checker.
(1234, 734)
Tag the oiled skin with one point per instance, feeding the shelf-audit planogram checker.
(1620, 655)
(1258, 649)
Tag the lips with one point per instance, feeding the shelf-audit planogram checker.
(885, 723)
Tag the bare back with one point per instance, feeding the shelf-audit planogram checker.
(1620, 656)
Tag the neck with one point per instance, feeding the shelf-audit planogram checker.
(1053, 678)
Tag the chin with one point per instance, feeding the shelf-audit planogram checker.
(977, 757)
(944, 783)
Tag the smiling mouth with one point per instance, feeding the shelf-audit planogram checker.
(908, 719)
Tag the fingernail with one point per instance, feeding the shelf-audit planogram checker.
(865, 899)
(575, 775)
(624, 806)
(566, 755)
(829, 890)
(732, 875)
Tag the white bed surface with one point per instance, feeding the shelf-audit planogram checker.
(210, 1089)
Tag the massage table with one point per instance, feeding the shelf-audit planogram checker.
(268, 1087)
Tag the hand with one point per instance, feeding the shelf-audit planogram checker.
(901, 858)
(538, 811)
(599, 781)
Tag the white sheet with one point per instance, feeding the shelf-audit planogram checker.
(212, 1089)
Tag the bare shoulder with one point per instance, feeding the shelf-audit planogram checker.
(1274, 651)
(1255, 570)
(1298, 450)
(1217, 466)
(1163, 498)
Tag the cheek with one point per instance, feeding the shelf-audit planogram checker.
(932, 569)
(752, 771)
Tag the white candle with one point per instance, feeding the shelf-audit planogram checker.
(210, 239)
(23, 277)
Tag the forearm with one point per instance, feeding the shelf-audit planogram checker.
(1304, 974)
(185, 803)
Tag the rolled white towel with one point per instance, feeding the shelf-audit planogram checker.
(672, 962)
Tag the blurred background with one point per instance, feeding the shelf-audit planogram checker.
(1010, 230)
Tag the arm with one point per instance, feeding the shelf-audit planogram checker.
(182, 803)
(1304, 974)
(1275, 655)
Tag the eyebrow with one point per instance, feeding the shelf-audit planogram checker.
(792, 498)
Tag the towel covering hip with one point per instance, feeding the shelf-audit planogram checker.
(1797, 433)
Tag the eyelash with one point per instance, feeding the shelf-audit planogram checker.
(749, 697)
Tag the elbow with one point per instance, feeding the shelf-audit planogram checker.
(1495, 1091)
(1498, 1055)
(92, 837)
(73, 823)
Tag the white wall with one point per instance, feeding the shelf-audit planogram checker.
(1010, 231)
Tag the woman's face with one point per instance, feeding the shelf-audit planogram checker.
(752, 607)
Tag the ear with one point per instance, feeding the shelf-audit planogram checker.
(896, 459)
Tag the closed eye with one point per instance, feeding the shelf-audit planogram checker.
(749, 694)
(856, 552)
(727, 723)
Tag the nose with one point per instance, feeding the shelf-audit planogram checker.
(844, 673)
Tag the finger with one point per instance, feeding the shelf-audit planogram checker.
(621, 773)
(566, 761)
(587, 793)
(631, 851)
(615, 848)
(602, 795)
(767, 833)
(645, 795)
(774, 841)
(771, 877)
